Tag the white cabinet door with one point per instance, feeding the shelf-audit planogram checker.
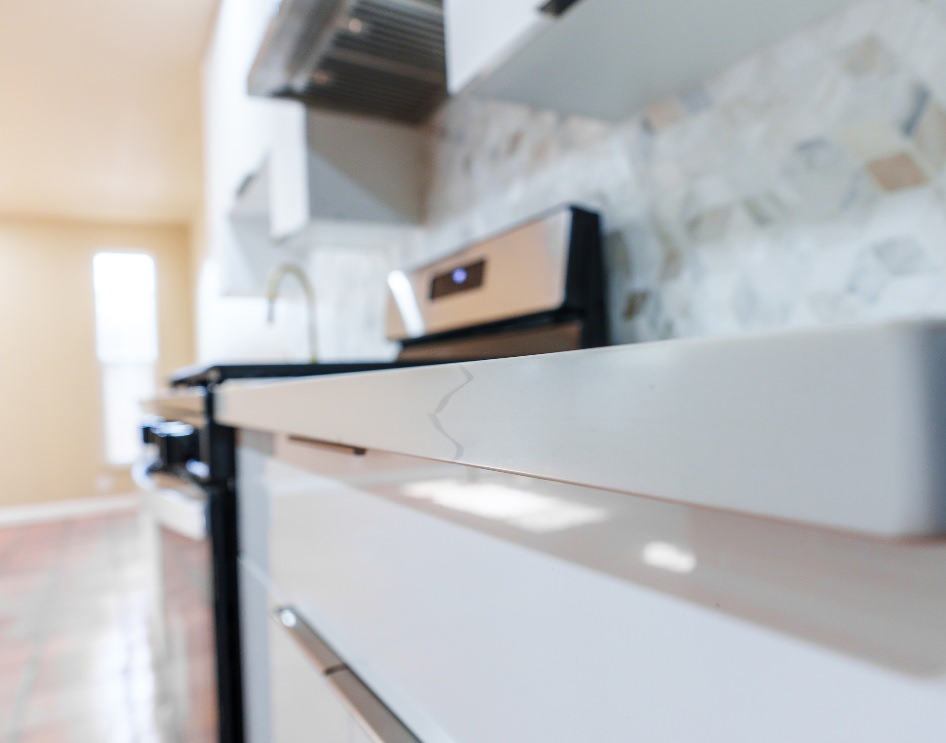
(289, 209)
(239, 136)
(304, 707)
(478, 622)
(609, 58)
(481, 33)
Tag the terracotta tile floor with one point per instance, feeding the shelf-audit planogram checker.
(75, 660)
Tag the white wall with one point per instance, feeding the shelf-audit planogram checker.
(237, 134)
(51, 442)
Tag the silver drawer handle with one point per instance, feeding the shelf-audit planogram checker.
(358, 451)
(307, 639)
(381, 725)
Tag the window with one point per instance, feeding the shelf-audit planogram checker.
(126, 344)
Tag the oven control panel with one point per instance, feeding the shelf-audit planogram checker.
(521, 272)
(459, 279)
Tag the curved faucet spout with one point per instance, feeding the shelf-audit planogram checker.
(274, 281)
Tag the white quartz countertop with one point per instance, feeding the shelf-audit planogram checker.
(842, 428)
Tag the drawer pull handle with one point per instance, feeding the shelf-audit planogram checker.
(358, 451)
(381, 725)
(309, 641)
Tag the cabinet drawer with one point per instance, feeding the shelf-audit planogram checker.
(474, 615)
(295, 693)
(304, 706)
(469, 637)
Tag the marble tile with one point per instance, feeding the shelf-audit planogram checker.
(918, 104)
(898, 24)
(869, 56)
(663, 114)
(695, 100)
(929, 137)
(908, 296)
(903, 257)
(896, 172)
(710, 225)
(925, 54)
(872, 139)
(868, 279)
(812, 152)
(858, 20)
(634, 304)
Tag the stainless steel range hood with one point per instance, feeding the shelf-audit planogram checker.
(382, 58)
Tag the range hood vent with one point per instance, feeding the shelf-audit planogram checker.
(381, 58)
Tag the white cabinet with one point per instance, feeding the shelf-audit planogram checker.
(295, 687)
(325, 170)
(364, 170)
(483, 607)
(239, 137)
(279, 177)
(481, 33)
(304, 706)
(289, 196)
(609, 58)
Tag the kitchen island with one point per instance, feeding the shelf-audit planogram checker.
(471, 543)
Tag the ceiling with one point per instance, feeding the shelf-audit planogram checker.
(100, 108)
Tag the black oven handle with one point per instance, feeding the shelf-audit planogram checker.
(173, 501)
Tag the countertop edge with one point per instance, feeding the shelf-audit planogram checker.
(832, 427)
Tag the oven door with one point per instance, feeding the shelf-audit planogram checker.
(178, 534)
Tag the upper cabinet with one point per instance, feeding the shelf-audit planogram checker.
(481, 34)
(608, 58)
(239, 134)
(281, 177)
(364, 169)
(323, 168)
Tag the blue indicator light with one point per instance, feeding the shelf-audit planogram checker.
(459, 275)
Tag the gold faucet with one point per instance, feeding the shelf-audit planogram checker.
(272, 291)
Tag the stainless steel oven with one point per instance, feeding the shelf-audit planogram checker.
(182, 623)
(536, 288)
(190, 523)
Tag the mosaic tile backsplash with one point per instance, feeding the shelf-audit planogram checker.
(806, 185)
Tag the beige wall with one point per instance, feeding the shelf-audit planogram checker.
(50, 398)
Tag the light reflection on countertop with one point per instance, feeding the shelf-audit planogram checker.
(524, 509)
(880, 600)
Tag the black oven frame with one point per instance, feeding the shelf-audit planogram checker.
(205, 455)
